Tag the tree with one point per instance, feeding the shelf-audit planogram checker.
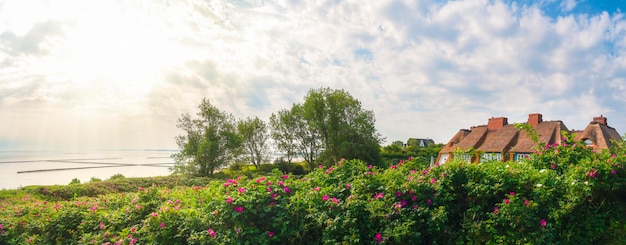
(282, 124)
(211, 141)
(345, 128)
(309, 140)
(255, 136)
(293, 136)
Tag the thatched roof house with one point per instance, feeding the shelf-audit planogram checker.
(499, 140)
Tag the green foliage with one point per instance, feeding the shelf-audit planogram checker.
(75, 181)
(294, 136)
(564, 194)
(94, 179)
(255, 135)
(289, 132)
(211, 141)
(116, 176)
(393, 153)
(289, 167)
(346, 130)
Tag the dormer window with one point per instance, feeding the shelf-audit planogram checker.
(588, 142)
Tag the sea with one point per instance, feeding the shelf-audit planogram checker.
(25, 168)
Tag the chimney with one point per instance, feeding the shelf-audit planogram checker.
(496, 123)
(601, 120)
(534, 119)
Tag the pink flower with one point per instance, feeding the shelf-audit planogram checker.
(370, 166)
(286, 189)
(378, 237)
(101, 226)
(260, 179)
(379, 195)
(211, 232)
(433, 180)
(335, 200)
(154, 215)
(543, 222)
(397, 205)
(238, 209)
(410, 158)
(348, 186)
(229, 200)
(613, 171)
(270, 234)
(325, 198)
(526, 202)
(404, 203)
(285, 176)
(413, 198)
(553, 166)
(316, 189)
(133, 241)
(162, 225)
(241, 190)
(398, 194)
(507, 201)
(592, 173)
(429, 202)
(133, 229)
(511, 193)
(495, 210)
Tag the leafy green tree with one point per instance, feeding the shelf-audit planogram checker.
(346, 129)
(255, 138)
(293, 136)
(394, 148)
(398, 143)
(282, 125)
(210, 141)
(309, 140)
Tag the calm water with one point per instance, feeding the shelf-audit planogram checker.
(24, 168)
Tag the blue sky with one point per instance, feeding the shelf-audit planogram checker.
(117, 74)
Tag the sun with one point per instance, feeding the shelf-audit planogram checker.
(117, 45)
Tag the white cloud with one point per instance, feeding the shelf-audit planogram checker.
(568, 5)
(426, 68)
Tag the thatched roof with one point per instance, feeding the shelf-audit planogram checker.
(600, 134)
(548, 132)
(503, 137)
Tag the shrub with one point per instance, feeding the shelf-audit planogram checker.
(545, 200)
(116, 176)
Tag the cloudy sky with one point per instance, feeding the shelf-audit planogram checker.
(117, 74)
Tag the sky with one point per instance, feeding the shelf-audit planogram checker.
(78, 75)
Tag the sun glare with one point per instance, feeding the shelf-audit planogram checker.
(109, 44)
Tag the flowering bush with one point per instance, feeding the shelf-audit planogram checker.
(563, 194)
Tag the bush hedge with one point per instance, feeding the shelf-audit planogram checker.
(564, 194)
